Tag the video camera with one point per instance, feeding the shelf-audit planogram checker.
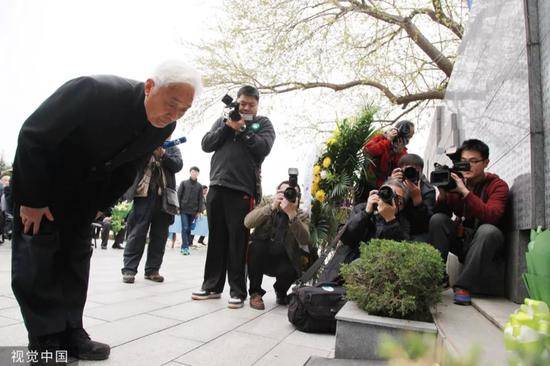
(233, 112)
(441, 176)
(291, 193)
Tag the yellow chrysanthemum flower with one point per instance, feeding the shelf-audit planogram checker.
(320, 195)
(316, 169)
(316, 179)
(326, 162)
(331, 141)
(314, 189)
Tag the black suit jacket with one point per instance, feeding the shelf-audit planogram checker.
(83, 146)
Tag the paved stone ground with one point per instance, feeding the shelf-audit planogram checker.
(148, 323)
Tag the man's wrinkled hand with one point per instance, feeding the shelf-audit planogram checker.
(32, 217)
(397, 173)
(387, 211)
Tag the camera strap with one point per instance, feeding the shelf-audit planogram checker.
(308, 275)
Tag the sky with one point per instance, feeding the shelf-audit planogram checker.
(45, 43)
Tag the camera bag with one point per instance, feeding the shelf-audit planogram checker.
(312, 309)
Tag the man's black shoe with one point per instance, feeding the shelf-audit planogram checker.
(51, 343)
(282, 300)
(117, 246)
(103, 246)
(82, 347)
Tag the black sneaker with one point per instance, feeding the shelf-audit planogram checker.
(205, 295)
(82, 347)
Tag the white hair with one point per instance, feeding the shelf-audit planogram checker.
(176, 71)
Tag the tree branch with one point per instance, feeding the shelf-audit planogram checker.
(412, 30)
(400, 100)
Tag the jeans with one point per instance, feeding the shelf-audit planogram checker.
(186, 222)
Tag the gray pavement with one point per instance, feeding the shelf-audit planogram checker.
(148, 323)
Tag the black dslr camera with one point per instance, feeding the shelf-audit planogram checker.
(386, 194)
(291, 193)
(411, 174)
(441, 176)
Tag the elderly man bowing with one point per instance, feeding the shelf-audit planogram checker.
(76, 155)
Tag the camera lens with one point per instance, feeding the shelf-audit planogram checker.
(386, 194)
(291, 194)
(411, 174)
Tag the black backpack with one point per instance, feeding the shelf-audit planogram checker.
(312, 309)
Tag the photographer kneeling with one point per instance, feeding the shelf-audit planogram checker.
(381, 217)
(280, 245)
(419, 208)
(478, 201)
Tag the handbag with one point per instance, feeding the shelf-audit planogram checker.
(313, 309)
(170, 203)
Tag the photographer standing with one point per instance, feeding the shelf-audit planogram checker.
(239, 146)
(281, 246)
(149, 214)
(381, 217)
(419, 208)
(386, 150)
(475, 236)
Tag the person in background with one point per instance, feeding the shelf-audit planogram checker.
(386, 149)
(191, 205)
(201, 226)
(148, 214)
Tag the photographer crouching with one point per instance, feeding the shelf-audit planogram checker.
(419, 207)
(381, 217)
(478, 201)
(280, 245)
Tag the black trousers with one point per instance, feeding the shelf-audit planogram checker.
(266, 257)
(146, 216)
(119, 237)
(50, 272)
(227, 240)
(480, 252)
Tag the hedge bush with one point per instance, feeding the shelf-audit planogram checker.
(395, 279)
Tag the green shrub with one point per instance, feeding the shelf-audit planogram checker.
(395, 279)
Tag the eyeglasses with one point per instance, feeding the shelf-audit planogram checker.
(472, 161)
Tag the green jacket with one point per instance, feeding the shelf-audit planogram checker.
(297, 240)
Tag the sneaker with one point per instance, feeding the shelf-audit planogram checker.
(128, 278)
(205, 295)
(185, 251)
(80, 345)
(462, 297)
(235, 303)
(155, 277)
(103, 246)
(256, 302)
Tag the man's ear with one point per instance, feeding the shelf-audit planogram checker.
(149, 85)
(486, 163)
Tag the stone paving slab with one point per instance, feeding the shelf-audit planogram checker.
(148, 323)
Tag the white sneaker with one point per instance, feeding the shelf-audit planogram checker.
(235, 303)
(205, 295)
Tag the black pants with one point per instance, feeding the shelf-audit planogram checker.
(119, 237)
(480, 252)
(146, 213)
(227, 240)
(266, 257)
(50, 272)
